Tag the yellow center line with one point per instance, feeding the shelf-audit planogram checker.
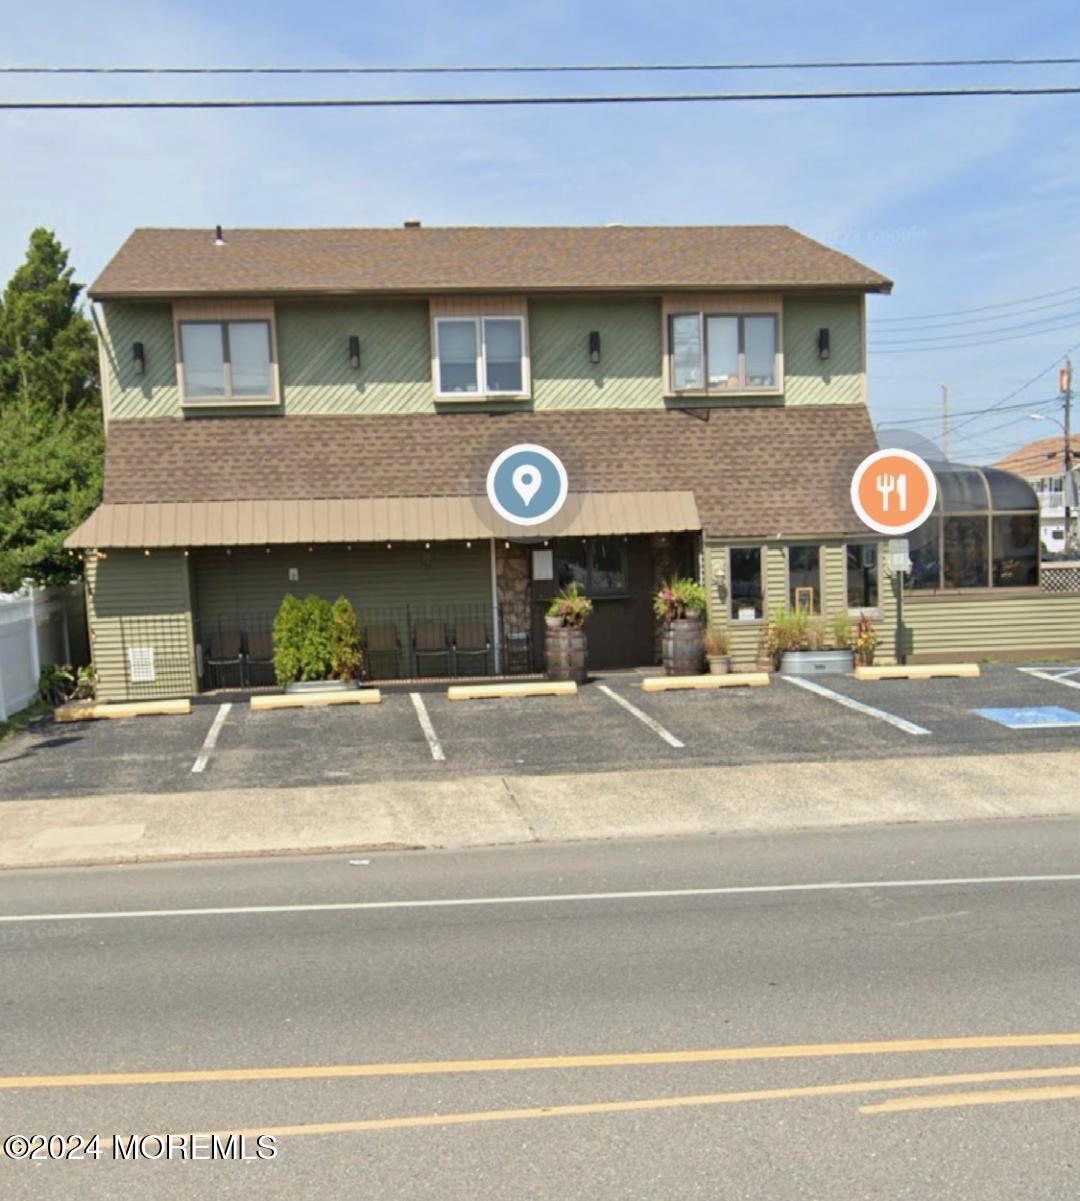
(996, 1096)
(602, 1107)
(542, 1063)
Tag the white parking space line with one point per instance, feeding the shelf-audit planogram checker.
(427, 727)
(909, 727)
(643, 717)
(1053, 677)
(211, 738)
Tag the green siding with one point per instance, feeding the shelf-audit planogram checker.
(395, 370)
(628, 374)
(135, 600)
(155, 393)
(808, 380)
(252, 582)
(972, 627)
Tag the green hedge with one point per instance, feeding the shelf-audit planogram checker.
(314, 640)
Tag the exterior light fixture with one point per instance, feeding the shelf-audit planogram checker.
(594, 346)
(146, 553)
(823, 344)
(468, 546)
(354, 351)
(138, 358)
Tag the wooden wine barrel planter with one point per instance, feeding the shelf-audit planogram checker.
(682, 649)
(566, 654)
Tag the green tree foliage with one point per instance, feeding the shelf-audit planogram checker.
(287, 638)
(315, 638)
(51, 437)
(346, 657)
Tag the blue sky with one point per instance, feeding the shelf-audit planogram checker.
(963, 203)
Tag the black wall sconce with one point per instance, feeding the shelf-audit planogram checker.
(354, 351)
(594, 346)
(138, 358)
(823, 344)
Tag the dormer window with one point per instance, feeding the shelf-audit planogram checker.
(226, 362)
(480, 357)
(717, 352)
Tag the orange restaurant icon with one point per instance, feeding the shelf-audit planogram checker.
(893, 491)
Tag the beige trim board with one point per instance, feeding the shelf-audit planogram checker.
(924, 671)
(733, 679)
(480, 692)
(316, 700)
(92, 710)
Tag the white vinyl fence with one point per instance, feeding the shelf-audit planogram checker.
(36, 630)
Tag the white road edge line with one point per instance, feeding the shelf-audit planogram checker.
(1045, 675)
(427, 727)
(909, 727)
(643, 717)
(553, 898)
(211, 738)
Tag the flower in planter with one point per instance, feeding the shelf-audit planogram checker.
(678, 598)
(571, 605)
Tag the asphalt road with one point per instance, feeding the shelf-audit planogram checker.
(537, 735)
(757, 1038)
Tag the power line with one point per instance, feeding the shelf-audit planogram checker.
(984, 308)
(550, 69)
(1024, 387)
(935, 418)
(1038, 308)
(527, 101)
(887, 349)
(903, 340)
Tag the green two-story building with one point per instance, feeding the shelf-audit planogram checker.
(316, 410)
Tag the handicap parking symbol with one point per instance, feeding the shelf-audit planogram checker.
(527, 484)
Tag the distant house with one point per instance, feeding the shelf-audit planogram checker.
(1042, 464)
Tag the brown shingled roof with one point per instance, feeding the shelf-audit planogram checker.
(1044, 456)
(754, 472)
(186, 262)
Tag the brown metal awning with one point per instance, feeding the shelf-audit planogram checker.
(384, 519)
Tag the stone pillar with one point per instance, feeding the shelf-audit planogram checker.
(513, 584)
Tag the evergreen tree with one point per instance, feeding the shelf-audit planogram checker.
(51, 438)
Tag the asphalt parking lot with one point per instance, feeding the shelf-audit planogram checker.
(590, 732)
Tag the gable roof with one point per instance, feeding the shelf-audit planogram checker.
(1044, 456)
(732, 461)
(187, 262)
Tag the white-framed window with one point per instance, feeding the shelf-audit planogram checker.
(717, 352)
(226, 362)
(480, 356)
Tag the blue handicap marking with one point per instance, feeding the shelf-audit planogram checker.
(1033, 717)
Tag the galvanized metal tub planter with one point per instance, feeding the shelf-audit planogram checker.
(682, 647)
(321, 685)
(566, 654)
(813, 663)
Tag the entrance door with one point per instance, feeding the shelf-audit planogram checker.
(616, 573)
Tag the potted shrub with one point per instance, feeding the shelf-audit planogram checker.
(566, 649)
(679, 603)
(305, 645)
(717, 651)
(346, 657)
(801, 646)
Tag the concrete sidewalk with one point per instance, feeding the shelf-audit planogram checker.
(500, 809)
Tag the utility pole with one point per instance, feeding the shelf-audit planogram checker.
(1066, 390)
(945, 421)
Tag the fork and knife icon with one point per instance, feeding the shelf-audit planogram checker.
(887, 484)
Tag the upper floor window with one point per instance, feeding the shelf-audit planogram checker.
(226, 362)
(716, 353)
(480, 356)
